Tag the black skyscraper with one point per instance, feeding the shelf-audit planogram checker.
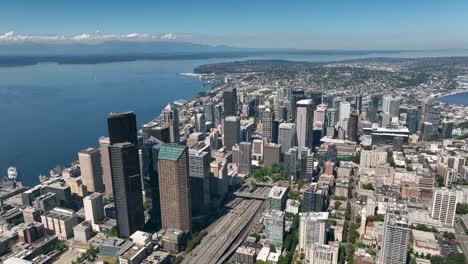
(126, 183)
(122, 128)
(150, 152)
(230, 102)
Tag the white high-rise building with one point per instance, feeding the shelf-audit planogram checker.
(287, 136)
(304, 122)
(94, 209)
(257, 149)
(91, 169)
(444, 205)
(274, 227)
(319, 115)
(345, 111)
(391, 105)
(312, 229)
(396, 236)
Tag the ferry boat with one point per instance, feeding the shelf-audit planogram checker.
(12, 173)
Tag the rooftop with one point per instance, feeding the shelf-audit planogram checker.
(171, 151)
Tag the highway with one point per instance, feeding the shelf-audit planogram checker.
(225, 234)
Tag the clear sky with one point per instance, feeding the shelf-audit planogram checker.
(332, 24)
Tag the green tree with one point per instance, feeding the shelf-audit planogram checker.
(462, 208)
(113, 232)
(348, 211)
(337, 204)
(449, 235)
(368, 186)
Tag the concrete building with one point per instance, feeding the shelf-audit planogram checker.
(304, 122)
(94, 209)
(245, 157)
(395, 236)
(444, 204)
(220, 180)
(257, 150)
(344, 111)
(277, 198)
(425, 243)
(174, 187)
(312, 229)
(323, 254)
(274, 227)
(271, 154)
(231, 131)
(287, 136)
(83, 232)
(245, 255)
(268, 126)
(104, 143)
(31, 214)
(60, 221)
(91, 169)
(391, 105)
(372, 158)
(171, 120)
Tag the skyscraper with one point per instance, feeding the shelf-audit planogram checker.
(268, 119)
(150, 175)
(91, 169)
(104, 144)
(287, 136)
(291, 164)
(245, 157)
(320, 116)
(231, 131)
(173, 168)
(412, 119)
(345, 111)
(200, 122)
(314, 199)
(304, 123)
(126, 183)
(171, 120)
(230, 102)
(395, 236)
(447, 129)
(199, 173)
(353, 127)
(444, 205)
(330, 115)
(122, 128)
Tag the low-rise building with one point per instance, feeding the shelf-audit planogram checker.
(425, 243)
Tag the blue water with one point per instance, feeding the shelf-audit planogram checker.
(49, 112)
(458, 99)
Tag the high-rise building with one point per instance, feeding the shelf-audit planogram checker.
(345, 111)
(231, 131)
(291, 164)
(171, 120)
(287, 136)
(91, 169)
(353, 127)
(444, 204)
(320, 116)
(312, 229)
(372, 158)
(271, 154)
(230, 102)
(200, 122)
(391, 105)
(314, 199)
(126, 183)
(274, 227)
(268, 120)
(220, 180)
(173, 168)
(257, 149)
(150, 176)
(94, 208)
(199, 173)
(330, 117)
(122, 128)
(395, 236)
(412, 119)
(209, 112)
(104, 144)
(244, 158)
(447, 129)
(155, 130)
(304, 123)
(331, 154)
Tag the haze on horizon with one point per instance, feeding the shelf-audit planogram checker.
(345, 25)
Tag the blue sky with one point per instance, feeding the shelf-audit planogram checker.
(332, 24)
